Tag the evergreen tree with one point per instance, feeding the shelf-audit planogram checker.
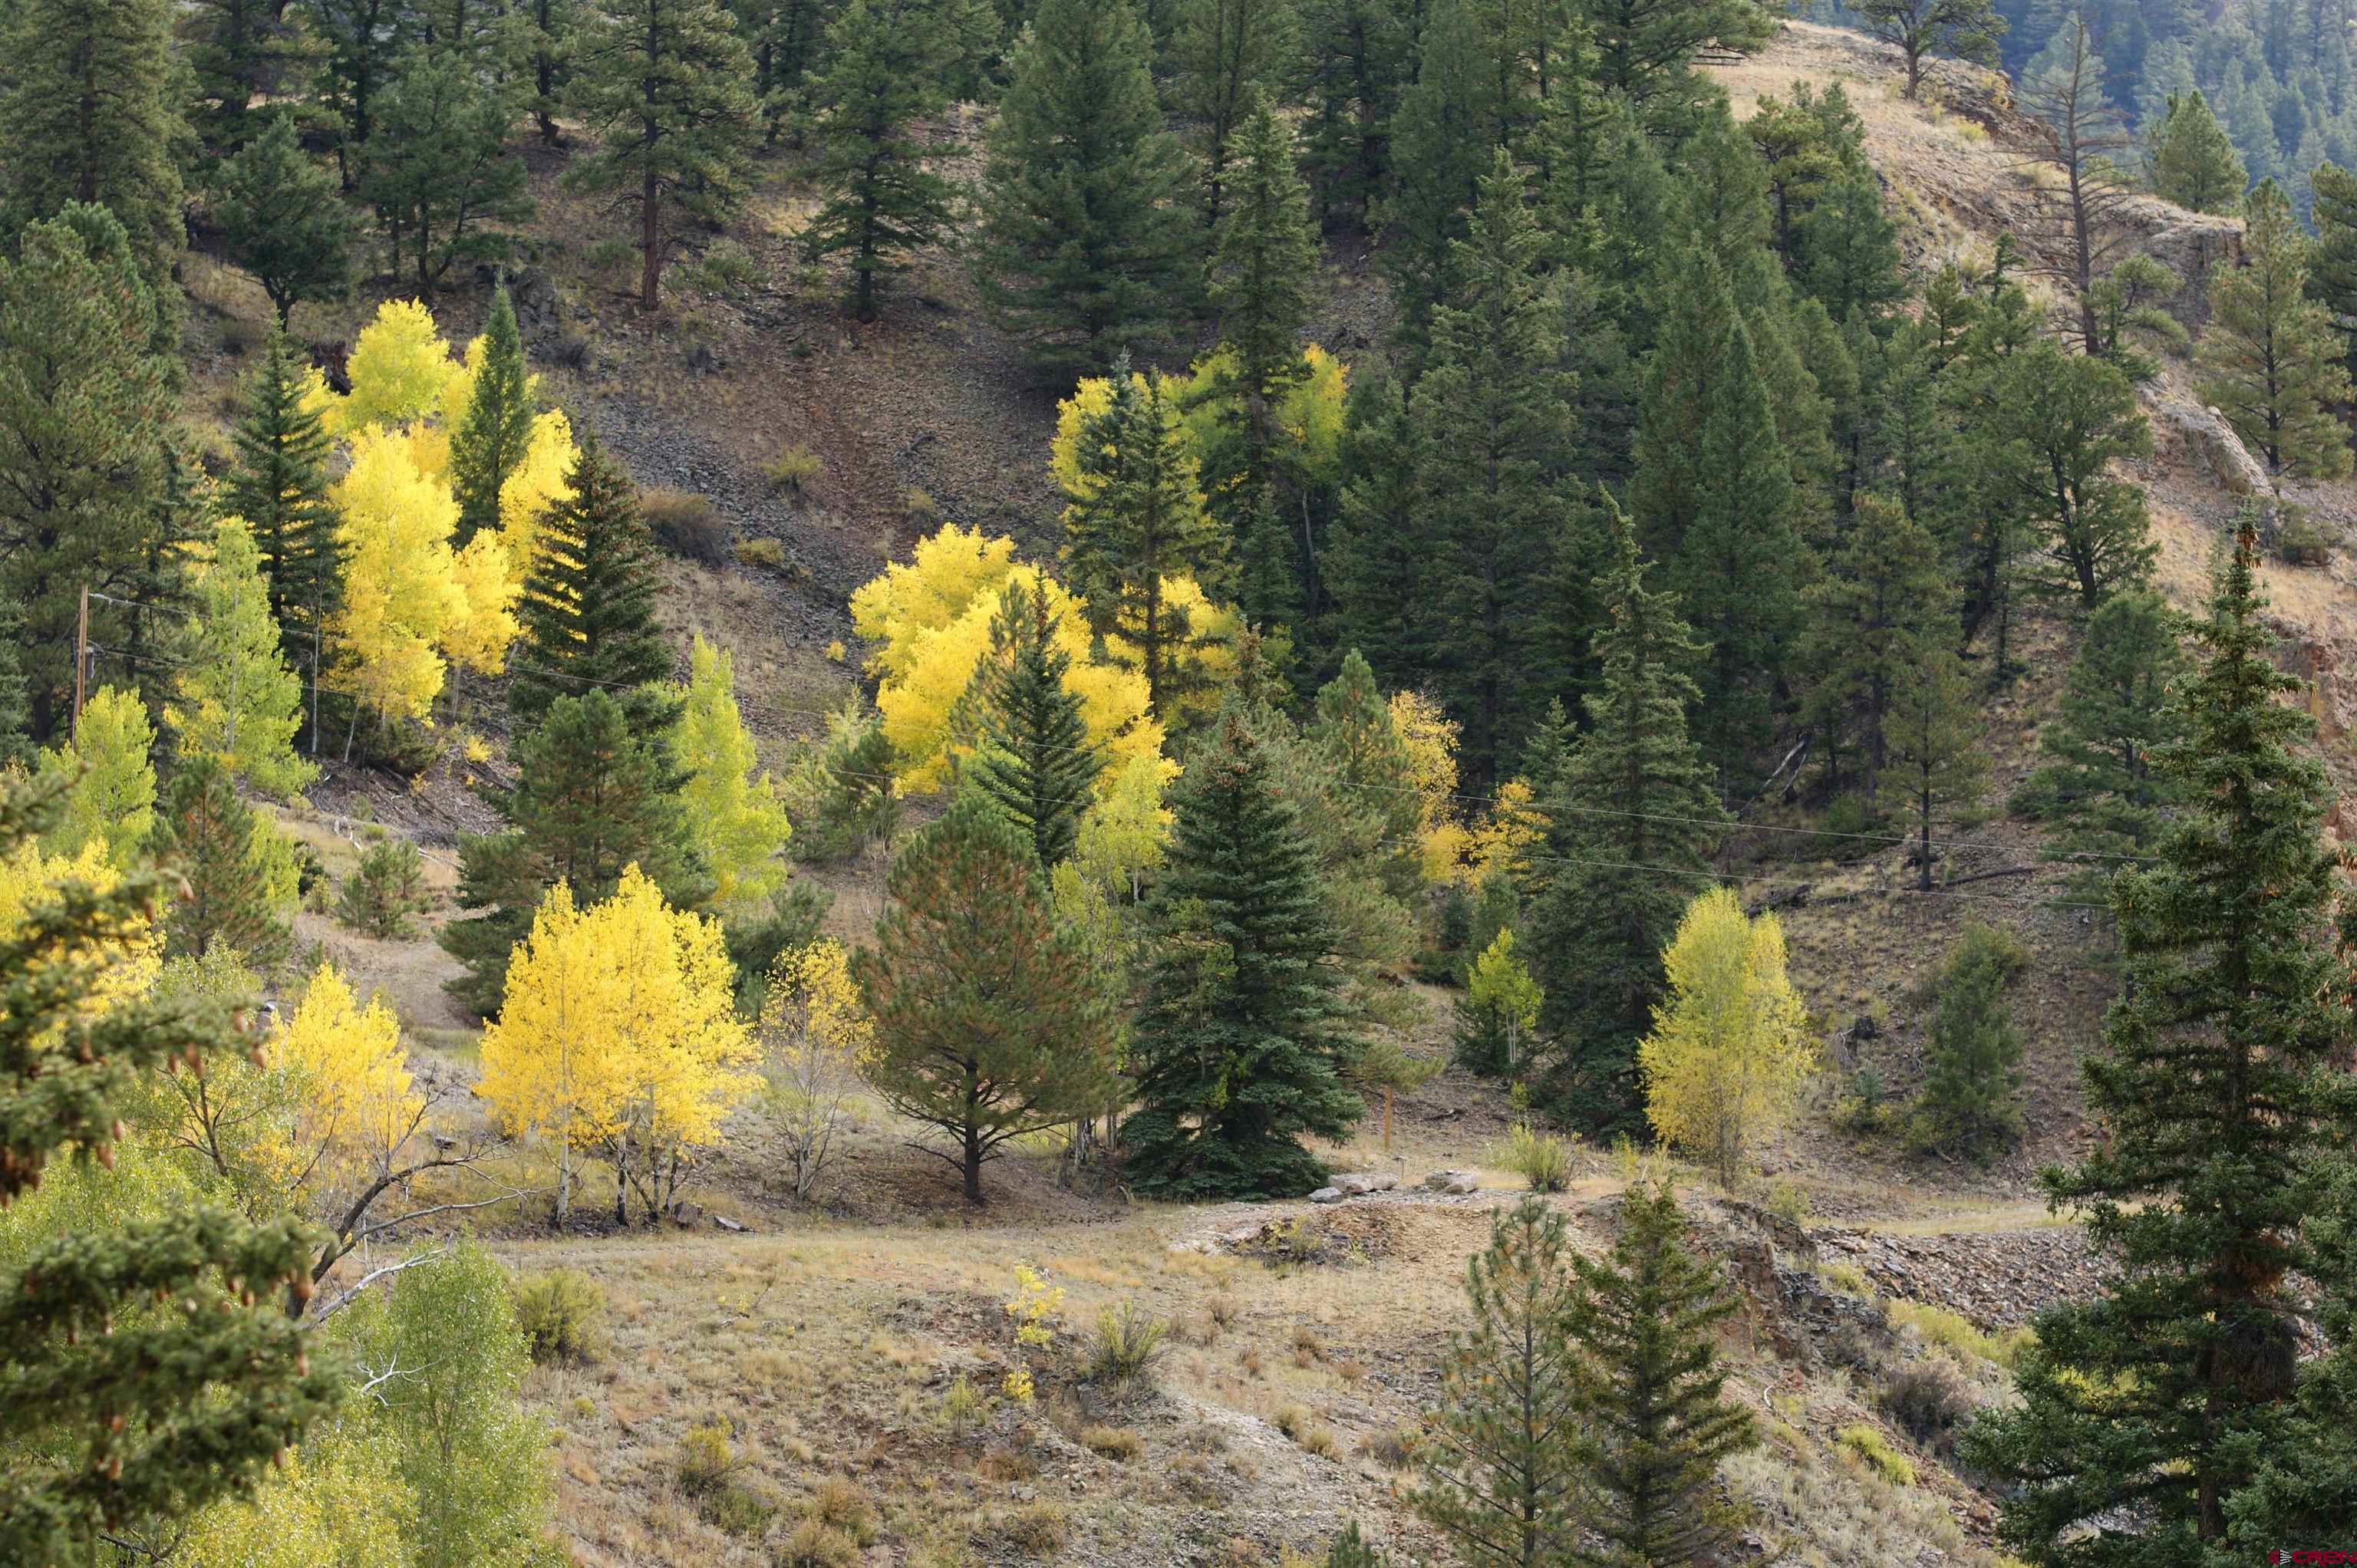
(788, 41)
(360, 40)
(283, 220)
(1936, 753)
(89, 113)
(1358, 56)
(663, 86)
(232, 699)
(206, 834)
(498, 881)
(235, 52)
(1464, 102)
(1967, 29)
(1351, 1549)
(1375, 558)
(279, 486)
(1492, 417)
(1974, 1071)
(1140, 523)
(1230, 56)
(2268, 358)
(2167, 1396)
(1502, 1483)
(85, 409)
(1083, 246)
(1883, 597)
(1632, 816)
(2332, 259)
(490, 440)
(1373, 771)
(1646, 52)
(548, 41)
(1034, 760)
(1236, 1052)
(2193, 161)
(588, 610)
(1696, 310)
(438, 170)
(140, 1416)
(888, 69)
(1263, 263)
(2078, 133)
(2097, 783)
(990, 1023)
(1738, 570)
(2049, 437)
(1650, 1421)
(1850, 250)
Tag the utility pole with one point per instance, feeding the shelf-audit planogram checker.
(82, 660)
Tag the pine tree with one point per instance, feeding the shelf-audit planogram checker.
(2048, 435)
(1632, 816)
(1645, 51)
(1140, 523)
(1083, 244)
(989, 1022)
(236, 51)
(1696, 310)
(1974, 1070)
(232, 699)
(1502, 1483)
(1738, 570)
(2332, 258)
(1229, 57)
(1462, 103)
(1650, 1422)
(1967, 29)
(1351, 1549)
(1237, 1051)
(207, 834)
(499, 883)
(85, 409)
(2193, 161)
(550, 26)
(663, 86)
(1936, 755)
(2119, 711)
(279, 486)
(490, 440)
(163, 1414)
(1374, 775)
(588, 610)
(2078, 133)
(1375, 557)
(64, 140)
(1035, 761)
(2268, 359)
(283, 220)
(1359, 57)
(359, 39)
(1884, 594)
(437, 171)
(888, 69)
(2217, 1082)
(1492, 417)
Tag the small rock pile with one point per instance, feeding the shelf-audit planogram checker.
(1998, 1279)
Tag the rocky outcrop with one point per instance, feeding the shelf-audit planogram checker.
(2201, 437)
(1998, 1279)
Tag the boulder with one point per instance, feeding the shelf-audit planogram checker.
(1326, 1195)
(2207, 442)
(1453, 1181)
(685, 1214)
(1358, 1184)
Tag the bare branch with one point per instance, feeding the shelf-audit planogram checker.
(345, 1298)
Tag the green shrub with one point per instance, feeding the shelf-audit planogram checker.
(1541, 1159)
(1787, 1202)
(1113, 1441)
(963, 1405)
(2302, 541)
(762, 552)
(1956, 1334)
(795, 469)
(562, 1315)
(1849, 829)
(706, 1461)
(813, 1544)
(1351, 1550)
(725, 268)
(386, 889)
(1127, 1344)
(686, 524)
(1875, 1449)
(924, 510)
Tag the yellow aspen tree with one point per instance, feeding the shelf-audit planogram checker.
(234, 697)
(358, 1106)
(1429, 735)
(111, 793)
(400, 369)
(1730, 1046)
(815, 1041)
(402, 592)
(541, 479)
(488, 585)
(553, 1063)
(736, 818)
(29, 877)
(947, 573)
(1513, 831)
(1124, 830)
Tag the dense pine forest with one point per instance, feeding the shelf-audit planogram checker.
(1222, 782)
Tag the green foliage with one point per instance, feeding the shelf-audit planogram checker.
(737, 823)
(490, 440)
(284, 220)
(1237, 1050)
(1127, 1344)
(1082, 246)
(1876, 1452)
(1885, 596)
(1541, 1159)
(1968, 29)
(988, 1025)
(436, 168)
(221, 848)
(560, 1314)
(2332, 259)
(1227, 55)
(384, 890)
(2216, 1079)
(2268, 359)
(888, 69)
(151, 1359)
(2193, 160)
(232, 699)
(1034, 761)
(1351, 1549)
(279, 485)
(109, 781)
(1496, 1020)
(1937, 758)
(2053, 429)
(1973, 1073)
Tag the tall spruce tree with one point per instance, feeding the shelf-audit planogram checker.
(1034, 762)
(1634, 821)
(1501, 1480)
(888, 69)
(1646, 52)
(490, 440)
(1237, 1051)
(1884, 594)
(1465, 101)
(2332, 261)
(437, 171)
(139, 1413)
(1358, 56)
(2047, 438)
(279, 485)
(588, 610)
(664, 84)
(2268, 358)
(359, 41)
(1228, 56)
(90, 113)
(204, 832)
(1972, 1072)
(1374, 561)
(236, 51)
(1082, 246)
(2160, 1401)
(85, 412)
(1696, 310)
(2193, 160)
(1937, 758)
(283, 220)
(1493, 419)
(1651, 1422)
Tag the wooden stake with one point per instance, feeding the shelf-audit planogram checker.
(1387, 1118)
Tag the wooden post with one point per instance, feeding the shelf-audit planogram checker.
(81, 661)
(1387, 1118)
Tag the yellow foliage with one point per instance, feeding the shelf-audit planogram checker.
(734, 817)
(541, 478)
(1089, 401)
(1311, 411)
(1730, 1046)
(618, 1022)
(340, 1499)
(948, 573)
(28, 878)
(356, 1103)
(400, 369)
(402, 592)
(1125, 828)
(480, 637)
(1034, 1307)
(1509, 836)
(1429, 736)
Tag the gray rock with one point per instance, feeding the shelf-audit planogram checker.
(1326, 1195)
(1358, 1184)
(1453, 1181)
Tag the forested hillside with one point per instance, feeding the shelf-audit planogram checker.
(1227, 782)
